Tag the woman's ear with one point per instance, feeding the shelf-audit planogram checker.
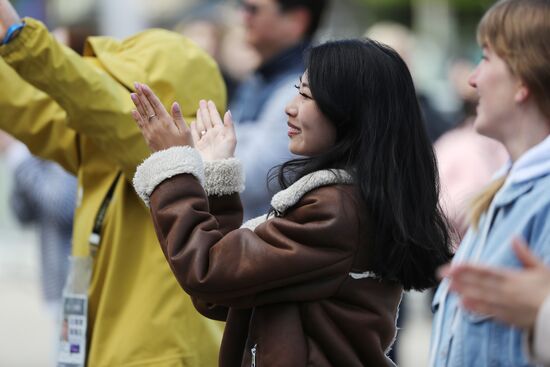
(522, 93)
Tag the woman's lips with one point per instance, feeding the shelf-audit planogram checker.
(293, 130)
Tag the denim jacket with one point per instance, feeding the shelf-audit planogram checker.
(520, 208)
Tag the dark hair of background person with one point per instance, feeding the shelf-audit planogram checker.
(314, 7)
(365, 89)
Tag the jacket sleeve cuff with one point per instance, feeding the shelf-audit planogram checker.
(14, 50)
(164, 164)
(539, 336)
(223, 177)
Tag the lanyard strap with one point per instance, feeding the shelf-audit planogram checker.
(95, 236)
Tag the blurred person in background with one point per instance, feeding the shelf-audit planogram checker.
(513, 85)
(128, 308)
(237, 57)
(518, 297)
(43, 194)
(279, 31)
(402, 40)
(216, 29)
(467, 160)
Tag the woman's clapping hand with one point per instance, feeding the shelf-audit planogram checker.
(213, 137)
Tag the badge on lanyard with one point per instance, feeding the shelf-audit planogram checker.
(74, 320)
(72, 343)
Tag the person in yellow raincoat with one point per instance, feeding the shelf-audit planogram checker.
(76, 111)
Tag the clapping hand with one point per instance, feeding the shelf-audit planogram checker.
(212, 137)
(160, 129)
(513, 296)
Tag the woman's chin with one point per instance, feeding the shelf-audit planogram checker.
(480, 125)
(292, 148)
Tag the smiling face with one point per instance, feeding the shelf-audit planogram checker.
(498, 90)
(310, 131)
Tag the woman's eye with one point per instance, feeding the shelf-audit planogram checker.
(302, 93)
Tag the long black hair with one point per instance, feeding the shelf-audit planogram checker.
(365, 89)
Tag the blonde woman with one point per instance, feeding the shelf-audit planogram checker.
(513, 83)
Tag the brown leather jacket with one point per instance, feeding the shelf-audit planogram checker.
(295, 289)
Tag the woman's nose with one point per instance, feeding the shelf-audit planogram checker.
(472, 79)
(291, 110)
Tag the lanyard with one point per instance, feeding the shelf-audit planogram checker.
(73, 343)
(95, 236)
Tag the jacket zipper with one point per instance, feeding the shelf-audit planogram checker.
(253, 351)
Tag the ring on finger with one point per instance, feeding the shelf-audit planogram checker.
(151, 117)
(203, 132)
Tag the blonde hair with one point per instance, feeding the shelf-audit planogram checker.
(518, 32)
(481, 202)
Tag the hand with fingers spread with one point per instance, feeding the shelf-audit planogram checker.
(214, 139)
(160, 129)
(511, 296)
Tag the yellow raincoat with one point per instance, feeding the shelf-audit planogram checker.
(76, 111)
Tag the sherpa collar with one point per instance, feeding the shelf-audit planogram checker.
(291, 195)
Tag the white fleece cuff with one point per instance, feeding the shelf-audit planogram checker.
(541, 352)
(223, 177)
(165, 164)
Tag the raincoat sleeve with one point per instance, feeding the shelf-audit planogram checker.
(96, 105)
(37, 120)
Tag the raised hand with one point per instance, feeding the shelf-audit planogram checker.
(8, 17)
(509, 295)
(160, 129)
(214, 139)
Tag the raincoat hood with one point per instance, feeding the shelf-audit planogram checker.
(148, 57)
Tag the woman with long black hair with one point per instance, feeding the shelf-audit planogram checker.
(318, 280)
